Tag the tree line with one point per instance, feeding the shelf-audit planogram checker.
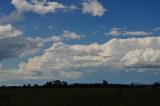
(104, 84)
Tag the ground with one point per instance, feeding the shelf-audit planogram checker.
(79, 97)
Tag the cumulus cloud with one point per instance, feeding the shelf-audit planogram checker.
(64, 61)
(11, 17)
(142, 58)
(18, 46)
(13, 44)
(21, 46)
(39, 6)
(36, 6)
(72, 61)
(7, 31)
(123, 31)
(93, 7)
(120, 47)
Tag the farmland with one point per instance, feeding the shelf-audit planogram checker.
(79, 97)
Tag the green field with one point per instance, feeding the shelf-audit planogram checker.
(80, 97)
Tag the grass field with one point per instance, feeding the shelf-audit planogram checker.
(80, 97)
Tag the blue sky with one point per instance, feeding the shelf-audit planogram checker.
(79, 41)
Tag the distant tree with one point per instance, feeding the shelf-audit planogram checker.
(57, 82)
(35, 85)
(3, 86)
(156, 85)
(29, 85)
(105, 83)
(64, 83)
(24, 86)
(132, 84)
(48, 84)
(53, 82)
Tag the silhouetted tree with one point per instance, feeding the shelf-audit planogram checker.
(132, 84)
(105, 83)
(29, 85)
(64, 83)
(57, 82)
(3, 86)
(53, 82)
(24, 86)
(36, 85)
(156, 85)
(48, 84)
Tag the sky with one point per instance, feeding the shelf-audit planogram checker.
(79, 41)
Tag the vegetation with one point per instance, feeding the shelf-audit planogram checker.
(58, 93)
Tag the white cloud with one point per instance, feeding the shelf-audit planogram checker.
(122, 46)
(13, 44)
(136, 33)
(142, 58)
(123, 31)
(93, 7)
(157, 29)
(7, 31)
(31, 45)
(66, 35)
(12, 17)
(71, 35)
(114, 32)
(52, 39)
(39, 6)
(55, 39)
(62, 61)
(72, 61)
